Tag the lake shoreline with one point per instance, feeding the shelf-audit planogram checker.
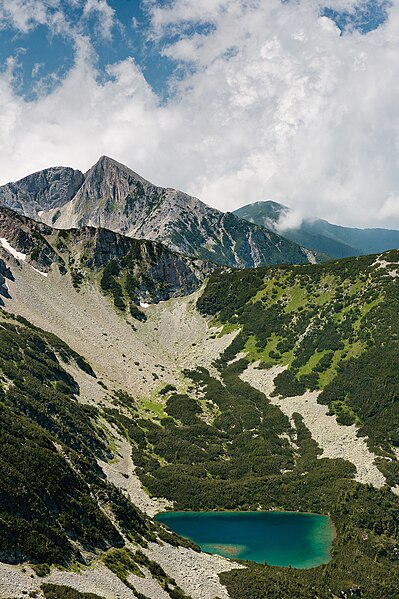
(277, 538)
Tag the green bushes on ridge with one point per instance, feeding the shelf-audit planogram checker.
(56, 591)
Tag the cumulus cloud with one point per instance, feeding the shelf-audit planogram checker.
(23, 15)
(273, 103)
(105, 15)
(80, 120)
(290, 219)
(291, 110)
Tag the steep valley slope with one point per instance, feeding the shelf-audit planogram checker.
(62, 404)
(203, 399)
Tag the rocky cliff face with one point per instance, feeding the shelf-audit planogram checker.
(144, 270)
(154, 272)
(5, 273)
(114, 197)
(41, 191)
(26, 240)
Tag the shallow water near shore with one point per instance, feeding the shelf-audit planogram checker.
(277, 538)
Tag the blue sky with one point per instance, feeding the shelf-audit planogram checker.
(47, 56)
(53, 53)
(230, 100)
(364, 17)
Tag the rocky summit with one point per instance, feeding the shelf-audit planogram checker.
(41, 191)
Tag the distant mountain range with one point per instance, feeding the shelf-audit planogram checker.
(320, 235)
(112, 196)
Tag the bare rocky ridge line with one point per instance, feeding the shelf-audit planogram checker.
(42, 191)
(156, 272)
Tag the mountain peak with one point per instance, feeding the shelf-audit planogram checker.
(319, 235)
(41, 191)
(113, 168)
(107, 160)
(113, 196)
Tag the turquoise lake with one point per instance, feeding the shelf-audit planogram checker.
(279, 538)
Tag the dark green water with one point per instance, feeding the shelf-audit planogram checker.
(279, 538)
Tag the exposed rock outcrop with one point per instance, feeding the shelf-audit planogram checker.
(42, 191)
(156, 273)
(5, 273)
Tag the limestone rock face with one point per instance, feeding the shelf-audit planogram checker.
(41, 191)
(5, 273)
(28, 238)
(159, 273)
(115, 197)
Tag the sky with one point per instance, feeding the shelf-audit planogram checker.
(233, 101)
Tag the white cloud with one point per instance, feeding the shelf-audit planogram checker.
(290, 219)
(275, 104)
(37, 67)
(185, 12)
(298, 113)
(390, 208)
(105, 14)
(79, 120)
(25, 14)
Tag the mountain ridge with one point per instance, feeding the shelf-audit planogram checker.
(154, 272)
(114, 197)
(320, 235)
(41, 190)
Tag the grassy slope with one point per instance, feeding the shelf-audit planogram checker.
(331, 324)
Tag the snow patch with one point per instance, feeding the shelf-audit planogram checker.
(144, 305)
(18, 255)
(44, 274)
